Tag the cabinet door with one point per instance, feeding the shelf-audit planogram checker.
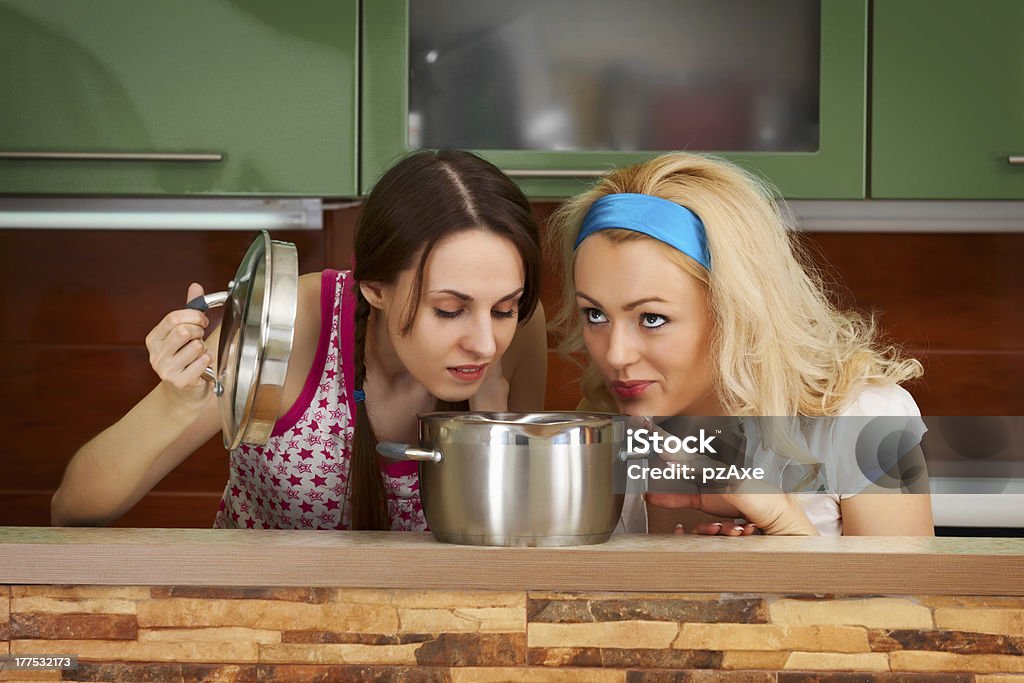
(557, 93)
(947, 107)
(247, 97)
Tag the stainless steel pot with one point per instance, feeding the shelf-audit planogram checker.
(255, 339)
(519, 479)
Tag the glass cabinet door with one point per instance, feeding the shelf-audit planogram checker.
(556, 93)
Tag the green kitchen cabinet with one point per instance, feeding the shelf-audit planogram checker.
(947, 113)
(189, 97)
(557, 93)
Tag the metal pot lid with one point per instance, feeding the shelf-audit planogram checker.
(255, 340)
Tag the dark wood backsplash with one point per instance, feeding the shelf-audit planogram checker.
(77, 305)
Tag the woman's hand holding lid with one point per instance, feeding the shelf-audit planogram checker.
(179, 356)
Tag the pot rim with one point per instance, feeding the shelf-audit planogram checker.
(544, 418)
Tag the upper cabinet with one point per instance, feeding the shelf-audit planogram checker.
(190, 97)
(557, 93)
(947, 100)
(265, 98)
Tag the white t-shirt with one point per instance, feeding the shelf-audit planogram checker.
(836, 443)
(892, 401)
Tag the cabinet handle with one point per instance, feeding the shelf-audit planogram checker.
(555, 173)
(113, 156)
(1015, 160)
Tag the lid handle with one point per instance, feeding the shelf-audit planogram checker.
(208, 301)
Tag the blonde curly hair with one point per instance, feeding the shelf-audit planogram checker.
(781, 348)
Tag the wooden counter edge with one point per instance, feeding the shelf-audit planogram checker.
(881, 566)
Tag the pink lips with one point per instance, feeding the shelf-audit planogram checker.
(468, 373)
(631, 390)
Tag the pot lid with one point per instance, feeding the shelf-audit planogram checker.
(256, 341)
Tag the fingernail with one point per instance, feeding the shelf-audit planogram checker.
(737, 527)
(717, 524)
(678, 527)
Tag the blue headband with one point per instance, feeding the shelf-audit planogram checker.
(659, 218)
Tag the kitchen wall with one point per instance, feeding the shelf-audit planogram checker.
(77, 305)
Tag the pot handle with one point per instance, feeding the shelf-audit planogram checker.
(204, 303)
(626, 456)
(403, 451)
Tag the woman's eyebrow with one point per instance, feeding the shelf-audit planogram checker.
(467, 297)
(628, 307)
(513, 295)
(640, 302)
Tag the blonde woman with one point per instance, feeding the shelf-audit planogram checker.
(690, 297)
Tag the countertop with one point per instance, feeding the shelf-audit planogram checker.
(640, 563)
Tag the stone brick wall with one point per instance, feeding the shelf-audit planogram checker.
(248, 634)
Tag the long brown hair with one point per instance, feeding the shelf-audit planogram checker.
(422, 199)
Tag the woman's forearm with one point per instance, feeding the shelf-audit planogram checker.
(888, 514)
(116, 468)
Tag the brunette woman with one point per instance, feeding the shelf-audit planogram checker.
(441, 310)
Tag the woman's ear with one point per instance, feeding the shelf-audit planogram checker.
(373, 292)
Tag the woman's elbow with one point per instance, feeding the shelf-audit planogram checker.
(58, 511)
(64, 512)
